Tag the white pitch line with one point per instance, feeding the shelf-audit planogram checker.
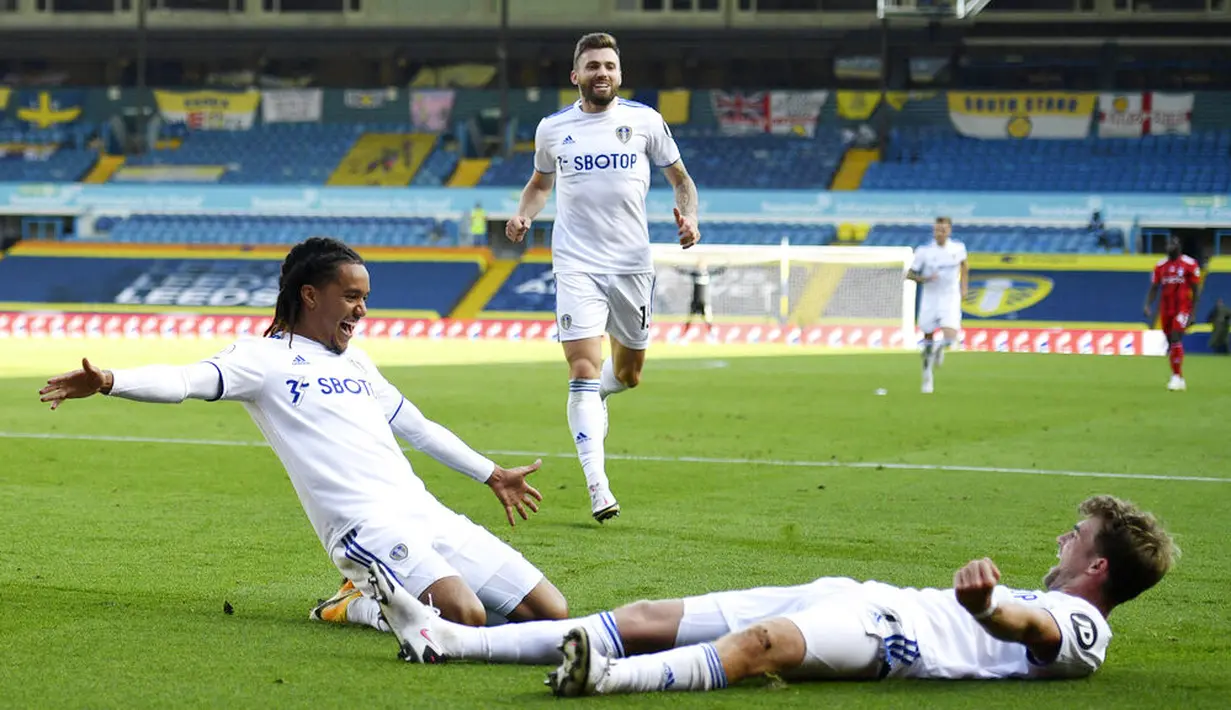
(782, 463)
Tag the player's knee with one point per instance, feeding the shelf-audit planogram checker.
(762, 648)
(630, 377)
(638, 613)
(467, 612)
(551, 605)
(582, 370)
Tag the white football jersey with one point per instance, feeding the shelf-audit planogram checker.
(943, 262)
(948, 643)
(327, 418)
(602, 164)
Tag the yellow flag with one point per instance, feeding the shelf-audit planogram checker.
(858, 105)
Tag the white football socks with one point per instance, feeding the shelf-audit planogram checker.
(529, 642)
(688, 668)
(608, 383)
(585, 421)
(365, 611)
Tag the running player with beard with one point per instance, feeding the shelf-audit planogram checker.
(599, 152)
(940, 268)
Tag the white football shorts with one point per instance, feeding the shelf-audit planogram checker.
(837, 623)
(935, 315)
(433, 544)
(622, 305)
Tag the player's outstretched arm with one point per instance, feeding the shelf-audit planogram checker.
(1034, 628)
(508, 484)
(533, 199)
(167, 384)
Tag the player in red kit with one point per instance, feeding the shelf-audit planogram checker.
(1177, 277)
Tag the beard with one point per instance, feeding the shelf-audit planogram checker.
(591, 96)
(1050, 579)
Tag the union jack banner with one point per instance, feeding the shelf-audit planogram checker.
(777, 112)
(740, 113)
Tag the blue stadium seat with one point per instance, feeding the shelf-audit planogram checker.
(738, 162)
(999, 239)
(256, 230)
(277, 154)
(938, 158)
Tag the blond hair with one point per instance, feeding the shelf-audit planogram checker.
(595, 40)
(1137, 548)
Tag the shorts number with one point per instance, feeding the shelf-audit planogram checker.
(645, 322)
(1182, 320)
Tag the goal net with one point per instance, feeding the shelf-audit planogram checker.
(790, 285)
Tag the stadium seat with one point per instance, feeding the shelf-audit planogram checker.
(764, 162)
(275, 154)
(937, 158)
(56, 154)
(257, 230)
(998, 239)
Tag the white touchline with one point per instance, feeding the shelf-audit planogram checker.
(666, 459)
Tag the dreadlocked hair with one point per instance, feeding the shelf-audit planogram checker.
(313, 261)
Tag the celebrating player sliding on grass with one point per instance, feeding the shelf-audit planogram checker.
(331, 417)
(599, 152)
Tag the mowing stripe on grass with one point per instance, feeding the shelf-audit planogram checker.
(784, 463)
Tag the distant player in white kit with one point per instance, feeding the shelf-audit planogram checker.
(940, 267)
(836, 628)
(599, 151)
(331, 418)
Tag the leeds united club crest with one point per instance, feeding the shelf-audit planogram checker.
(624, 133)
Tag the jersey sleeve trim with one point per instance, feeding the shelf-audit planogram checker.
(1030, 657)
(673, 162)
(221, 382)
(399, 409)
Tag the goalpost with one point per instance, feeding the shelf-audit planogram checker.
(791, 285)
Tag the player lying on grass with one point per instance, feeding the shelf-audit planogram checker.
(331, 418)
(833, 628)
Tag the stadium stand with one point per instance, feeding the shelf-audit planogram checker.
(252, 230)
(761, 233)
(56, 154)
(284, 153)
(939, 159)
(754, 163)
(438, 167)
(996, 239)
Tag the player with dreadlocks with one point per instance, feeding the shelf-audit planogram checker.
(332, 418)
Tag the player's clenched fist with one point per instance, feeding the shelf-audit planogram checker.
(515, 229)
(690, 234)
(973, 584)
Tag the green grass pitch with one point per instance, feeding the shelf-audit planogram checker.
(116, 556)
